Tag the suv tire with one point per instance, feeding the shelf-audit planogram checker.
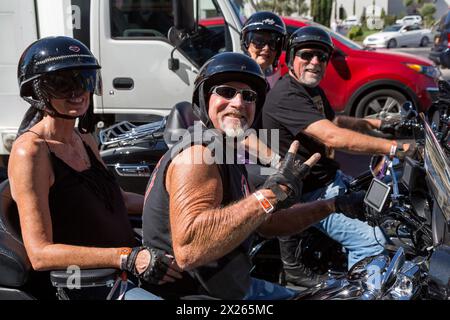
(384, 101)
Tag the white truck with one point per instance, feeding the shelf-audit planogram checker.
(130, 38)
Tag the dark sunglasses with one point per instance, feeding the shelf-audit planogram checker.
(308, 55)
(70, 83)
(229, 93)
(261, 40)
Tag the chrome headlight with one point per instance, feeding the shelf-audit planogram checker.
(407, 283)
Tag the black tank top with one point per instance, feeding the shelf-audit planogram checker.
(87, 207)
(225, 278)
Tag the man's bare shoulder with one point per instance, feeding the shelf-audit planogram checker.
(194, 155)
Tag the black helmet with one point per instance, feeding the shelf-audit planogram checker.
(264, 21)
(45, 64)
(308, 36)
(224, 67)
(49, 55)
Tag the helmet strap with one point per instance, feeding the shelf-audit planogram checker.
(203, 108)
(42, 103)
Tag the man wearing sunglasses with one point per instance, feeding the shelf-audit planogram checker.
(202, 211)
(298, 108)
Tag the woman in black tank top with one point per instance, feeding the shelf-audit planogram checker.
(72, 210)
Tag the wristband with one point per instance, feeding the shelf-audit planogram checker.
(124, 253)
(265, 204)
(393, 151)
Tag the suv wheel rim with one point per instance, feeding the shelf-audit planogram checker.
(382, 107)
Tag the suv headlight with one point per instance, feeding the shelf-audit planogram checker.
(430, 71)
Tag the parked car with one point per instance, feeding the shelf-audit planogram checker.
(351, 22)
(409, 20)
(440, 52)
(366, 82)
(399, 35)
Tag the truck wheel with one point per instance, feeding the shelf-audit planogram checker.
(380, 103)
(424, 42)
(392, 44)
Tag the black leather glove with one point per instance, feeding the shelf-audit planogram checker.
(401, 154)
(157, 268)
(390, 125)
(290, 174)
(351, 204)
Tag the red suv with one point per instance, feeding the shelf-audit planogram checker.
(363, 82)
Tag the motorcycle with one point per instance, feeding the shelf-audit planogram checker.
(407, 220)
(414, 213)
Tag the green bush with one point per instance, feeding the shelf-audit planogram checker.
(390, 20)
(355, 33)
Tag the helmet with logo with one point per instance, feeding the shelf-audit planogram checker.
(59, 68)
(268, 22)
(311, 37)
(225, 67)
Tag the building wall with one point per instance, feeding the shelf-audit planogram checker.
(442, 7)
(391, 7)
(396, 7)
(359, 6)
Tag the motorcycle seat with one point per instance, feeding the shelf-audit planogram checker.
(180, 118)
(14, 262)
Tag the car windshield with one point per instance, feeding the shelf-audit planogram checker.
(437, 166)
(244, 11)
(392, 28)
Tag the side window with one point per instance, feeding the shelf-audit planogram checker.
(212, 36)
(140, 18)
(131, 19)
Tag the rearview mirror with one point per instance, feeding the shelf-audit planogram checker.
(184, 16)
(408, 111)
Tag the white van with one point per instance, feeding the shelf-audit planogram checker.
(146, 68)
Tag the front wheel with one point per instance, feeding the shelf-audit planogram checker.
(380, 104)
(392, 44)
(424, 42)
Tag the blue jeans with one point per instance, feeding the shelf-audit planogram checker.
(132, 292)
(264, 290)
(135, 293)
(357, 237)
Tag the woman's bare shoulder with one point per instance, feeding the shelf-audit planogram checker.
(29, 145)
